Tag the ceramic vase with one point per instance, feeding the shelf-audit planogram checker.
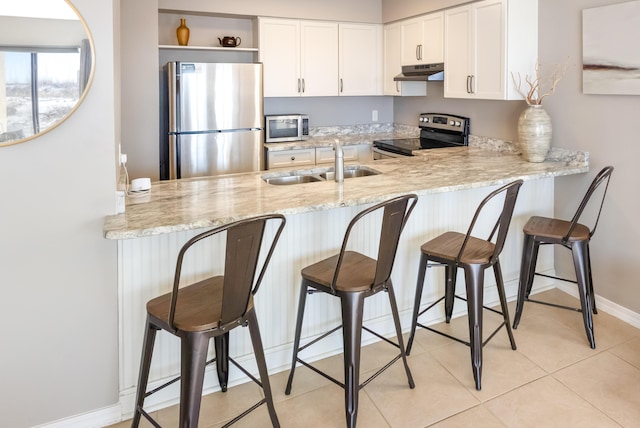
(183, 33)
(534, 133)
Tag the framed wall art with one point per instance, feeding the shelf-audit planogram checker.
(611, 49)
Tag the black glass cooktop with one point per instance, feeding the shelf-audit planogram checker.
(399, 145)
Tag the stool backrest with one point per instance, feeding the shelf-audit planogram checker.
(395, 215)
(242, 253)
(504, 219)
(603, 177)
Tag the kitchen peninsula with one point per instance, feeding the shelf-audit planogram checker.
(450, 184)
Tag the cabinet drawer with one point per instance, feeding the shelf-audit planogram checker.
(289, 158)
(326, 154)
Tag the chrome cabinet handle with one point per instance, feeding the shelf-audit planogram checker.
(417, 52)
(341, 85)
(303, 85)
(397, 87)
(420, 50)
(298, 84)
(471, 84)
(468, 84)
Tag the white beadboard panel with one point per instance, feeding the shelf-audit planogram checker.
(146, 268)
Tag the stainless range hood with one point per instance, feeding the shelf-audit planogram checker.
(421, 72)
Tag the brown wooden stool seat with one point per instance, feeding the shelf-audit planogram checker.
(352, 277)
(573, 236)
(207, 309)
(454, 250)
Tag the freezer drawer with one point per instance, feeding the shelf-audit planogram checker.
(198, 155)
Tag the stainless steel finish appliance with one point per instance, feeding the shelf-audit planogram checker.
(215, 118)
(286, 127)
(437, 130)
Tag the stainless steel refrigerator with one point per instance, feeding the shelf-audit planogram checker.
(215, 118)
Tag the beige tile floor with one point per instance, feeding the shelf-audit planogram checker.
(553, 379)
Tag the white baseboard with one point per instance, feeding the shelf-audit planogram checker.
(94, 419)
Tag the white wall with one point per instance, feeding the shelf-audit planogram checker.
(393, 10)
(57, 273)
(339, 10)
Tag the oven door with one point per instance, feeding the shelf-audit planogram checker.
(379, 154)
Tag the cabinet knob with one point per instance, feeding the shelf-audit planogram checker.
(293, 158)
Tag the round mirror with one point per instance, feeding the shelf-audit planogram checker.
(46, 66)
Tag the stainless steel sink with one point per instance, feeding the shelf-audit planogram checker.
(292, 179)
(350, 172)
(328, 174)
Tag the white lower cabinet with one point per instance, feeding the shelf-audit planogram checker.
(292, 159)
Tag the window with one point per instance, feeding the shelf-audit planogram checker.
(40, 87)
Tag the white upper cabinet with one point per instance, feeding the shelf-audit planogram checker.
(300, 58)
(392, 42)
(484, 43)
(422, 39)
(360, 65)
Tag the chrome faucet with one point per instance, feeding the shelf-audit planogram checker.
(339, 164)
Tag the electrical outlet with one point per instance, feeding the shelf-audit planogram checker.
(374, 115)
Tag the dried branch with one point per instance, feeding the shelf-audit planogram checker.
(534, 96)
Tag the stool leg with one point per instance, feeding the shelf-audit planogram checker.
(221, 344)
(528, 249)
(296, 341)
(352, 312)
(474, 277)
(497, 270)
(396, 321)
(580, 251)
(193, 360)
(422, 267)
(451, 271)
(145, 367)
(258, 351)
(593, 295)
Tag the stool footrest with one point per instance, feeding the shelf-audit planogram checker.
(555, 305)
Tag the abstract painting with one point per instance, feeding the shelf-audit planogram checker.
(611, 50)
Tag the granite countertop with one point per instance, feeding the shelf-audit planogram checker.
(186, 204)
(347, 135)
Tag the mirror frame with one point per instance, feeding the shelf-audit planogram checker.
(84, 93)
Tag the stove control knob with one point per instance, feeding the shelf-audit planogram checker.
(451, 122)
(458, 123)
(425, 119)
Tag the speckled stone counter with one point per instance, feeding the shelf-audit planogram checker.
(325, 136)
(187, 204)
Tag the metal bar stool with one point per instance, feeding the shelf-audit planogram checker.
(573, 236)
(211, 308)
(352, 277)
(455, 250)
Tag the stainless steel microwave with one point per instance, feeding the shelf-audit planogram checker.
(286, 127)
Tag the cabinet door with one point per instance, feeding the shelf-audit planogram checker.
(458, 53)
(319, 52)
(432, 50)
(391, 58)
(360, 59)
(411, 39)
(291, 158)
(489, 26)
(279, 51)
(328, 154)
